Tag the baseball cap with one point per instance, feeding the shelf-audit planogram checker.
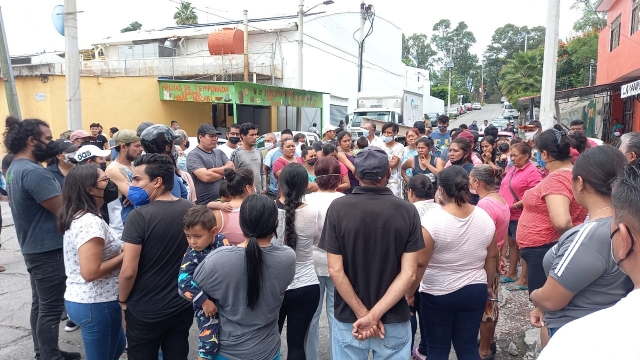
(143, 126)
(327, 128)
(208, 129)
(467, 135)
(89, 151)
(66, 146)
(79, 134)
(125, 136)
(372, 163)
(535, 123)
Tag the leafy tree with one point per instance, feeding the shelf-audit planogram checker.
(134, 26)
(522, 74)
(591, 20)
(455, 42)
(441, 92)
(417, 52)
(574, 59)
(185, 14)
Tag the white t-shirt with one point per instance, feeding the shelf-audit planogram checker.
(83, 229)
(308, 228)
(322, 200)
(377, 142)
(227, 150)
(606, 334)
(460, 250)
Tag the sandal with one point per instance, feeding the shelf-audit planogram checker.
(505, 279)
(2, 269)
(511, 287)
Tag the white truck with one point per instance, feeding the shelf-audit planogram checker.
(403, 108)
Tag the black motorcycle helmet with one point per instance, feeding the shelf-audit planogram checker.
(155, 139)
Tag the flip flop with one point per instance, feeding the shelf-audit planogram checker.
(505, 279)
(512, 287)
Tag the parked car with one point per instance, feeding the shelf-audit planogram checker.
(503, 100)
(461, 109)
(311, 138)
(477, 106)
(454, 111)
(500, 123)
(433, 117)
(508, 110)
(468, 107)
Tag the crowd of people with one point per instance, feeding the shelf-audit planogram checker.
(136, 238)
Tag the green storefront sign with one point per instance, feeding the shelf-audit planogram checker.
(239, 93)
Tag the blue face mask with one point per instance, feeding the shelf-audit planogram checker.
(138, 196)
(540, 161)
(366, 133)
(387, 139)
(182, 163)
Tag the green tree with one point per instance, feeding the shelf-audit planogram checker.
(522, 75)
(417, 52)
(574, 59)
(454, 44)
(441, 92)
(185, 14)
(591, 20)
(134, 26)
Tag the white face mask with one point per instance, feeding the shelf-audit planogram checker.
(365, 133)
(268, 146)
(530, 135)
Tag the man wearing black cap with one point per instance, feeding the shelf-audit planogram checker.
(373, 267)
(206, 165)
(60, 165)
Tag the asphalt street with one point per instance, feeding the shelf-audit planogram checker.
(488, 112)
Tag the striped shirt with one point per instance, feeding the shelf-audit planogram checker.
(460, 250)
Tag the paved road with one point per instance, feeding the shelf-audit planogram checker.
(488, 112)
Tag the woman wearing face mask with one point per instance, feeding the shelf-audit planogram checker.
(309, 157)
(549, 209)
(347, 158)
(239, 184)
(92, 258)
(60, 165)
(424, 162)
(288, 148)
(410, 151)
(460, 154)
(582, 276)
(395, 151)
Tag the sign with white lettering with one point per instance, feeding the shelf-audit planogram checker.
(630, 89)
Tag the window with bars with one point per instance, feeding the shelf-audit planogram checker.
(635, 16)
(615, 34)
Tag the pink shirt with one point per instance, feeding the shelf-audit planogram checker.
(524, 179)
(231, 226)
(280, 163)
(474, 159)
(500, 214)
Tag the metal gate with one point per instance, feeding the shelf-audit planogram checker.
(337, 113)
(606, 121)
(627, 115)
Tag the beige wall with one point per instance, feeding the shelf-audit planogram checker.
(123, 102)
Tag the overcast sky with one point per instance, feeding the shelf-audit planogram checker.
(29, 25)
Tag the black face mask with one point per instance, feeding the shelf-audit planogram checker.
(110, 192)
(312, 162)
(187, 145)
(234, 140)
(44, 151)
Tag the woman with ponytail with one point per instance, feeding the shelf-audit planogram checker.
(459, 275)
(239, 184)
(248, 283)
(300, 228)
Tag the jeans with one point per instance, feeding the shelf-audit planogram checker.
(454, 318)
(313, 339)
(552, 331)
(417, 321)
(171, 335)
(298, 308)
(101, 328)
(396, 344)
(533, 256)
(46, 273)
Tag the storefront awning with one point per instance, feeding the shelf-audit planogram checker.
(603, 89)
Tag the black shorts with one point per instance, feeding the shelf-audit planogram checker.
(533, 256)
(513, 225)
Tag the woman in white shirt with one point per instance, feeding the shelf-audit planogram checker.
(327, 172)
(299, 227)
(92, 259)
(454, 288)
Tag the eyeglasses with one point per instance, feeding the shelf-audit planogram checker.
(103, 180)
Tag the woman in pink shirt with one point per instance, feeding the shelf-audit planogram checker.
(482, 179)
(520, 177)
(239, 184)
(288, 147)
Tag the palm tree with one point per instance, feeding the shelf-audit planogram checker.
(522, 74)
(186, 14)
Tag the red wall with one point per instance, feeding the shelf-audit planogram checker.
(612, 65)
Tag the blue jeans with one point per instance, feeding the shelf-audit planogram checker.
(101, 328)
(552, 331)
(313, 338)
(220, 357)
(454, 318)
(396, 344)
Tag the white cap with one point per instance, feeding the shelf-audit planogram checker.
(88, 151)
(327, 128)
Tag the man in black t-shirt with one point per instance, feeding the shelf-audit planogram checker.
(154, 244)
(373, 261)
(99, 140)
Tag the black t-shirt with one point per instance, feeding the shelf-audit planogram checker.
(371, 229)
(158, 228)
(99, 141)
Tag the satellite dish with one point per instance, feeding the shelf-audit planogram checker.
(58, 19)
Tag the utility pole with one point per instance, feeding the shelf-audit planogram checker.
(450, 66)
(246, 44)
(526, 41)
(300, 42)
(550, 66)
(361, 47)
(273, 63)
(72, 64)
(7, 73)
(592, 63)
(482, 83)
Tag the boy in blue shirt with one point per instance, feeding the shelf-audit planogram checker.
(199, 226)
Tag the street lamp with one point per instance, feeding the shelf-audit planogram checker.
(301, 13)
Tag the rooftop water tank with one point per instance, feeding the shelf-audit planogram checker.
(226, 41)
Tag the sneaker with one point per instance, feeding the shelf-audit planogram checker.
(70, 355)
(71, 326)
(416, 355)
